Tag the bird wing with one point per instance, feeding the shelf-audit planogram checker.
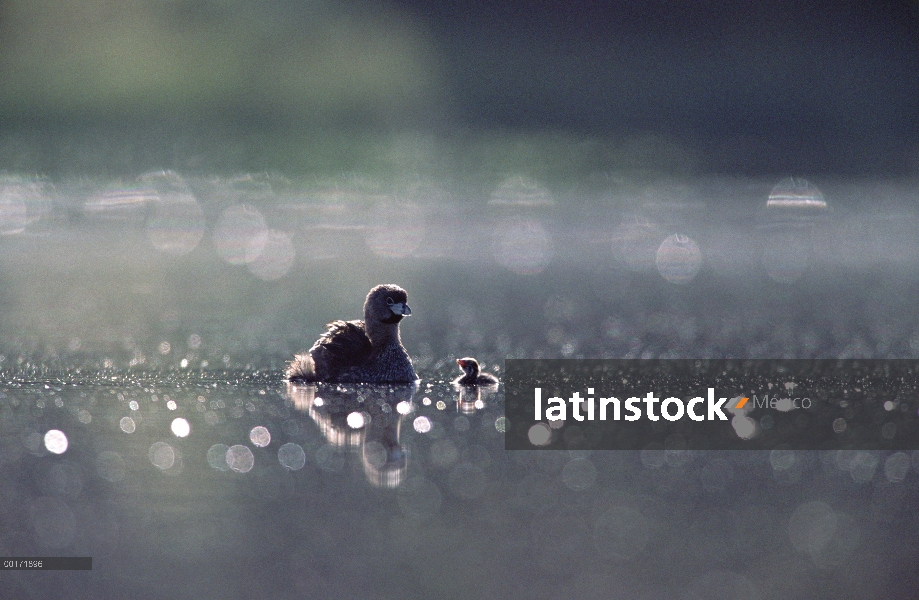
(344, 344)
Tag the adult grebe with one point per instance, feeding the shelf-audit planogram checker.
(367, 351)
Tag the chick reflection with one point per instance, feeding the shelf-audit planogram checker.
(365, 417)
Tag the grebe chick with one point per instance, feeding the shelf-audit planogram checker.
(368, 351)
(471, 374)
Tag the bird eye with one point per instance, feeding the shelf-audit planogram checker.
(389, 302)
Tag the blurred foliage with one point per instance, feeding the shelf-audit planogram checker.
(313, 60)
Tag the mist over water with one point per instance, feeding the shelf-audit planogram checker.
(146, 322)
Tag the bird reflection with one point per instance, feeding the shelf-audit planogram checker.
(363, 417)
(471, 398)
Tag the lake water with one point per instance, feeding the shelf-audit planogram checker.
(145, 422)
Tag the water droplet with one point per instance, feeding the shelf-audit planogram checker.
(635, 243)
(782, 460)
(330, 458)
(653, 457)
(14, 215)
(744, 427)
(443, 453)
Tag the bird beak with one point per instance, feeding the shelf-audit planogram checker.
(401, 308)
(461, 362)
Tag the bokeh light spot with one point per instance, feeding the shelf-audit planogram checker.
(217, 457)
(422, 424)
(110, 466)
(260, 436)
(523, 246)
(127, 425)
(539, 434)
(275, 259)
(292, 456)
(240, 458)
(355, 420)
(161, 455)
(56, 441)
(177, 225)
(180, 427)
(241, 234)
(678, 259)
